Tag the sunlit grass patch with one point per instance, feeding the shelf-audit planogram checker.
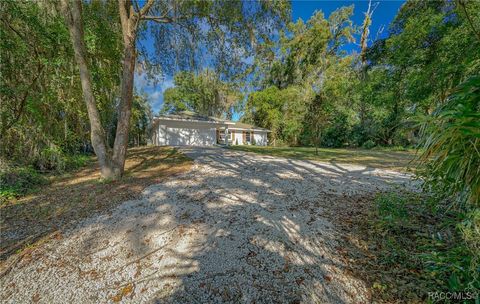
(393, 159)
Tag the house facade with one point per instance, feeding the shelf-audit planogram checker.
(190, 129)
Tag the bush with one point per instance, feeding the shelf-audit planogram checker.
(76, 161)
(424, 244)
(54, 159)
(15, 182)
(369, 144)
(50, 159)
(451, 166)
(338, 133)
(451, 145)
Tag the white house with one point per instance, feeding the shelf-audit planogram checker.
(190, 129)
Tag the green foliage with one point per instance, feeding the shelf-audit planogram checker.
(218, 34)
(15, 182)
(337, 134)
(140, 121)
(452, 145)
(451, 158)
(53, 159)
(423, 244)
(369, 144)
(307, 83)
(42, 115)
(392, 210)
(281, 111)
(203, 93)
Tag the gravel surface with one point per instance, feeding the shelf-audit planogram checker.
(237, 228)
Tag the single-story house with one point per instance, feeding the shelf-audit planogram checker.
(190, 129)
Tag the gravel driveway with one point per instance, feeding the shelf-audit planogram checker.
(237, 228)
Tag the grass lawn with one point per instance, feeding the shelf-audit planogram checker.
(384, 158)
(73, 196)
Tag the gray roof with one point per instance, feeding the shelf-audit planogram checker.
(241, 125)
(192, 116)
(188, 115)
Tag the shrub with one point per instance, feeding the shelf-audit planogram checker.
(15, 182)
(451, 162)
(76, 161)
(50, 159)
(424, 244)
(369, 144)
(54, 159)
(451, 146)
(338, 133)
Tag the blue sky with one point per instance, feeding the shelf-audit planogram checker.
(384, 13)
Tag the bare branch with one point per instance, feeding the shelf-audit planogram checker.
(146, 8)
(157, 19)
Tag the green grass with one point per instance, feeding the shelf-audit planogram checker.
(386, 158)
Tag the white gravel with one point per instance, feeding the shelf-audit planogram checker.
(237, 228)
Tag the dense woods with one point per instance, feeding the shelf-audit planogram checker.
(67, 91)
(368, 98)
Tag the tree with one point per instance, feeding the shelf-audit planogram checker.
(311, 71)
(203, 93)
(225, 22)
(73, 16)
(41, 109)
(431, 48)
(367, 21)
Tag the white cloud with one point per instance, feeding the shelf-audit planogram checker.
(154, 92)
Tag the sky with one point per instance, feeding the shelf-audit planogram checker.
(385, 11)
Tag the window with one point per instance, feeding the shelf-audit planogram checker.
(221, 135)
(247, 136)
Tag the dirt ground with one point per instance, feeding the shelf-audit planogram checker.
(236, 228)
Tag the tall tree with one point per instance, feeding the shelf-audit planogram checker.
(203, 93)
(73, 16)
(41, 106)
(367, 21)
(191, 24)
(310, 62)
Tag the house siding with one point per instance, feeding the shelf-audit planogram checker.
(259, 136)
(199, 133)
(175, 133)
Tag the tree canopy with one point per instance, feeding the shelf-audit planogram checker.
(203, 93)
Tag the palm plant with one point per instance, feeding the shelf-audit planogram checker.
(451, 145)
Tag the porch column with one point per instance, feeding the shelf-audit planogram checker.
(226, 135)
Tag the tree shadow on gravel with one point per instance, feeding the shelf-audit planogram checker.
(78, 195)
(236, 229)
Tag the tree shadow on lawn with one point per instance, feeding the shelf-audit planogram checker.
(74, 196)
(390, 160)
(240, 229)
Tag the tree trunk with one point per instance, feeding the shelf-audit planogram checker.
(124, 109)
(363, 57)
(73, 15)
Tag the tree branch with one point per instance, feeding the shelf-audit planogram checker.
(470, 21)
(146, 8)
(157, 19)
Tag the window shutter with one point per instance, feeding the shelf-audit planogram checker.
(244, 137)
